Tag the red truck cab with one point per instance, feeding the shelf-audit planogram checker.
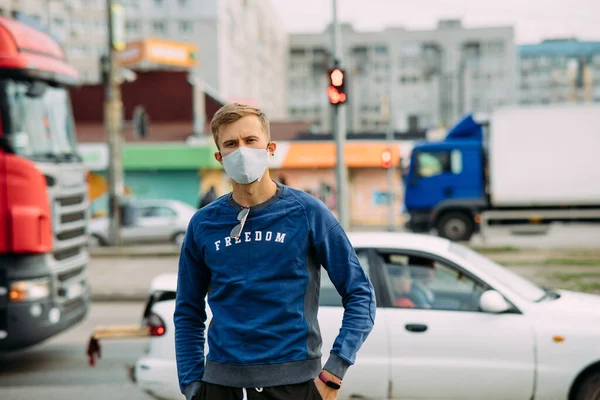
(44, 214)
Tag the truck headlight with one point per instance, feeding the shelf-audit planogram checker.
(29, 290)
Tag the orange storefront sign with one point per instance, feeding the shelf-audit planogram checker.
(322, 155)
(159, 51)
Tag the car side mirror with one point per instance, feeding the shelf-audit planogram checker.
(493, 302)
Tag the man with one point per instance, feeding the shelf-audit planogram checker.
(422, 271)
(257, 253)
(208, 198)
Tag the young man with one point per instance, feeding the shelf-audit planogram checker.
(257, 253)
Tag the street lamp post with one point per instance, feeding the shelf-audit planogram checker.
(113, 120)
(340, 132)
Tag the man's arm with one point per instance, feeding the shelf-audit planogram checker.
(336, 254)
(190, 314)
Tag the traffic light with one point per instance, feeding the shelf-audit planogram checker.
(337, 86)
(386, 159)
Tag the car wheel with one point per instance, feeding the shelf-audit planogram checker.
(589, 389)
(178, 238)
(96, 241)
(456, 226)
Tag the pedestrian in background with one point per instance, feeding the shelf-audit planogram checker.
(257, 253)
(208, 198)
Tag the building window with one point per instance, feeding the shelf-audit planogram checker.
(186, 27)
(184, 3)
(297, 52)
(133, 4)
(159, 3)
(496, 46)
(159, 27)
(132, 26)
(381, 50)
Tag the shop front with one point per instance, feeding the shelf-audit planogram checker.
(151, 171)
(182, 172)
(310, 166)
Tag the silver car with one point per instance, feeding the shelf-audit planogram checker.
(152, 221)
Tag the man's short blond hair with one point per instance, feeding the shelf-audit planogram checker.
(231, 113)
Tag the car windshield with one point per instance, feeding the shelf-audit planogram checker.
(37, 119)
(510, 279)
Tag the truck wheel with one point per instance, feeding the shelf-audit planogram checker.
(589, 389)
(456, 226)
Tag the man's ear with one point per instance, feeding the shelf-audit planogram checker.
(219, 157)
(272, 147)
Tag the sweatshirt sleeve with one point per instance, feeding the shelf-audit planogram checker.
(336, 254)
(190, 312)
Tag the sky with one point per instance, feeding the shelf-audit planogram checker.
(534, 20)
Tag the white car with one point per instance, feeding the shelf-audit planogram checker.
(154, 221)
(486, 333)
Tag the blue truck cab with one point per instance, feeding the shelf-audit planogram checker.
(445, 187)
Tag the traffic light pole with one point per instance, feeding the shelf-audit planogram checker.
(391, 170)
(388, 115)
(339, 131)
(113, 118)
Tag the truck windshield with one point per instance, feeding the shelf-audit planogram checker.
(37, 120)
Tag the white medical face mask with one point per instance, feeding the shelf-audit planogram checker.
(246, 165)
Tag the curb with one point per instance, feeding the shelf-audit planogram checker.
(492, 252)
(119, 297)
(133, 252)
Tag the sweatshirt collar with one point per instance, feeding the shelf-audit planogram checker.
(260, 206)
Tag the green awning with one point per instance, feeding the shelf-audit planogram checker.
(168, 156)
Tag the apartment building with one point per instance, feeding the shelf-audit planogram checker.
(79, 25)
(242, 44)
(559, 71)
(431, 77)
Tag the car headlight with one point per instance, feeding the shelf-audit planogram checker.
(29, 290)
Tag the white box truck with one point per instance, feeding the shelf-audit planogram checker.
(527, 166)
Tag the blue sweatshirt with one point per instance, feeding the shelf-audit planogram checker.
(263, 291)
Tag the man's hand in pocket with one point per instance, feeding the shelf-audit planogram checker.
(325, 391)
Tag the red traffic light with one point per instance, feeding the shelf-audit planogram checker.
(335, 96)
(337, 77)
(337, 86)
(386, 159)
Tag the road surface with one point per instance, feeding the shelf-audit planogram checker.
(58, 369)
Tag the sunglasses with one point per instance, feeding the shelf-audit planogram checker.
(237, 230)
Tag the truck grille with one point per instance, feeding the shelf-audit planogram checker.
(67, 253)
(72, 217)
(65, 276)
(67, 193)
(71, 200)
(71, 234)
(70, 221)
